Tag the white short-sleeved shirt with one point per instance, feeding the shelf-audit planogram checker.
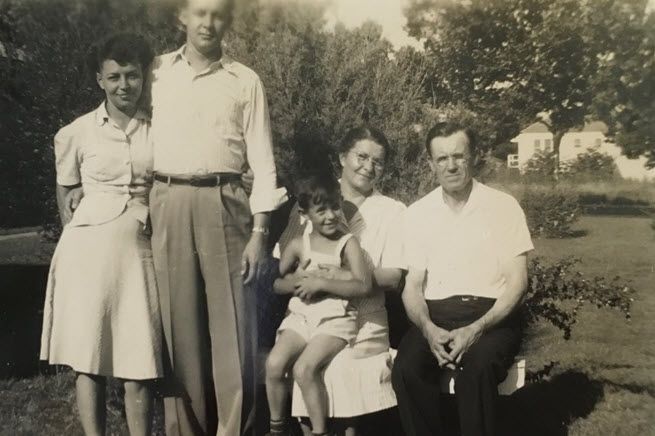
(114, 166)
(463, 252)
(377, 225)
(213, 121)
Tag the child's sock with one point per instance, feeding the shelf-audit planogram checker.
(278, 426)
(320, 434)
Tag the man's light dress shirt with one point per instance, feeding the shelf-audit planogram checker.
(213, 121)
(463, 252)
(114, 166)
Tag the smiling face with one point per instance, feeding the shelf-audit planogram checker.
(362, 165)
(325, 217)
(122, 84)
(451, 161)
(206, 22)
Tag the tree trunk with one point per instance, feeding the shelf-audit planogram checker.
(557, 139)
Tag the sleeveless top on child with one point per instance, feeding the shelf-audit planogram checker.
(328, 307)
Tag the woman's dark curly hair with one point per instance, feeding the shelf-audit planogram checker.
(124, 48)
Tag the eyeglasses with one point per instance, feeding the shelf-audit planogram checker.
(460, 159)
(363, 158)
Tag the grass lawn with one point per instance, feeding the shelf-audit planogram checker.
(603, 381)
(617, 354)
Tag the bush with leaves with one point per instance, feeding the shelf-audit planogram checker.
(541, 167)
(556, 292)
(550, 212)
(591, 166)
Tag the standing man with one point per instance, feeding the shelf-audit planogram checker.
(210, 123)
(466, 248)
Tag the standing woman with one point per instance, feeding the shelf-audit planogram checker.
(101, 314)
(358, 379)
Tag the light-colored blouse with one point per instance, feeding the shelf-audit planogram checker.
(113, 166)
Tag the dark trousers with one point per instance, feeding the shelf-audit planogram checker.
(416, 372)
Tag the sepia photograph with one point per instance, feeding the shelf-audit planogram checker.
(327, 217)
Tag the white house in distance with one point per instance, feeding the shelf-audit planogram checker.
(536, 137)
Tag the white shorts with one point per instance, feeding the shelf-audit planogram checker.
(344, 327)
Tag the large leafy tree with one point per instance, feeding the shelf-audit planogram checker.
(510, 61)
(518, 61)
(321, 82)
(624, 86)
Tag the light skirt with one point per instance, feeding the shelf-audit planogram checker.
(355, 385)
(101, 313)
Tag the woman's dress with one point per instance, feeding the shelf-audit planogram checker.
(101, 313)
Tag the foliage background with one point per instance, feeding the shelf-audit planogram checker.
(497, 64)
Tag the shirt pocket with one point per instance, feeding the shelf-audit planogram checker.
(103, 166)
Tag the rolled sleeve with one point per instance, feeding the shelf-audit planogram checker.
(516, 234)
(415, 255)
(393, 252)
(265, 195)
(66, 158)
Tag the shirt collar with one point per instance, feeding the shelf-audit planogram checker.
(471, 203)
(102, 116)
(226, 61)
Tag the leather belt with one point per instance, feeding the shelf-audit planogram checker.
(205, 181)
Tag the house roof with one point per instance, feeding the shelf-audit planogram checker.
(537, 127)
(591, 126)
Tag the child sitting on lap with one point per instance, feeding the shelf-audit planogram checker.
(320, 321)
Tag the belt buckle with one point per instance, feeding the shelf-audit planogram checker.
(195, 181)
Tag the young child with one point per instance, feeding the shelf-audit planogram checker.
(320, 321)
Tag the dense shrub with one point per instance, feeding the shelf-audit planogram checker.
(590, 167)
(556, 292)
(550, 212)
(541, 167)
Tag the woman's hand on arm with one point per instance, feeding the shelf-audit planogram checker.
(359, 285)
(68, 198)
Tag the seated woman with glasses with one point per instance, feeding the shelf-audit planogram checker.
(358, 379)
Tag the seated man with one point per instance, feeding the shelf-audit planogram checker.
(466, 248)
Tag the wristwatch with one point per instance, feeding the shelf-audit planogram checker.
(262, 230)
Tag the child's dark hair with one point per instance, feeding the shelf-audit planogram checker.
(124, 48)
(317, 188)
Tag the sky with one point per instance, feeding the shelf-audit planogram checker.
(388, 13)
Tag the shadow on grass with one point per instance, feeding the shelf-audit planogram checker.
(21, 315)
(578, 234)
(545, 408)
(548, 407)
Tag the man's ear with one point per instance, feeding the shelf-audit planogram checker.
(478, 161)
(342, 159)
(182, 18)
(99, 80)
(431, 164)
